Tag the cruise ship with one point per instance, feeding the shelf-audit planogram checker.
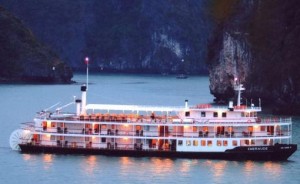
(203, 131)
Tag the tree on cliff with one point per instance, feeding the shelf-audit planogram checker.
(23, 58)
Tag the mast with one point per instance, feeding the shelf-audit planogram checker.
(84, 88)
(239, 88)
(87, 71)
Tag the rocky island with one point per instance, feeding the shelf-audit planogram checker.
(24, 59)
(256, 41)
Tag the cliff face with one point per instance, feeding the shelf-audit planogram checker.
(234, 60)
(264, 56)
(23, 58)
(128, 36)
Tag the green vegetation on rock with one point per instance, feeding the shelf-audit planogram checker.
(24, 59)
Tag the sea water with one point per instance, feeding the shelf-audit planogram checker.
(19, 103)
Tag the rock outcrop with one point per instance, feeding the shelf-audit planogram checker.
(260, 41)
(24, 59)
(233, 63)
(126, 36)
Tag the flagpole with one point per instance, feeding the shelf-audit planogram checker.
(87, 72)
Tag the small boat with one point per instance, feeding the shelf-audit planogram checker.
(181, 76)
(197, 131)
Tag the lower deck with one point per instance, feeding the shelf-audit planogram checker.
(188, 144)
(276, 152)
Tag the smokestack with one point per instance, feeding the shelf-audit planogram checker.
(83, 99)
(186, 104)
(78, 103)
(230, 105)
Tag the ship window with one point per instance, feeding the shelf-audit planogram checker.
(187, 113)
(215, 114)
(180, 142)
(219, 143)
(147, 127)
(53, 124)
(103, 139)
(209, 143)
(205, 129)
(224, 114)
(195, 143)
(265, 141)
(247, 142)
(262, 128)
(195, 129)
(203, 114)
(203, 143)
(252, 142)
(253, 114)
(52, 138)
(188, 142)
(103, 126)
(234, 143)
(225, 143)
(250, 128)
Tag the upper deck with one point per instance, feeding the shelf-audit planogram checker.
(206, 115)
(138, 108)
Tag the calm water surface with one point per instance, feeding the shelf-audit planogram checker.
(20, 102)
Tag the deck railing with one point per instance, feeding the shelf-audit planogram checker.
(136, 134)
(173, 120)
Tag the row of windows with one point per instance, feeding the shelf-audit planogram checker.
(203, 114)
(215, 114)
(224, 115)
(206, 143)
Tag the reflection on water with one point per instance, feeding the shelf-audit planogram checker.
(219, 168)
(248, 168)
(125, 165)
(152, 170)
(273, 167)
(155, 166)
(47, 160)
(26, 157)
(89, 164)
(273, 170)
(161, 166)
(187, 165)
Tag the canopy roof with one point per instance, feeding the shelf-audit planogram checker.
(132, 107)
